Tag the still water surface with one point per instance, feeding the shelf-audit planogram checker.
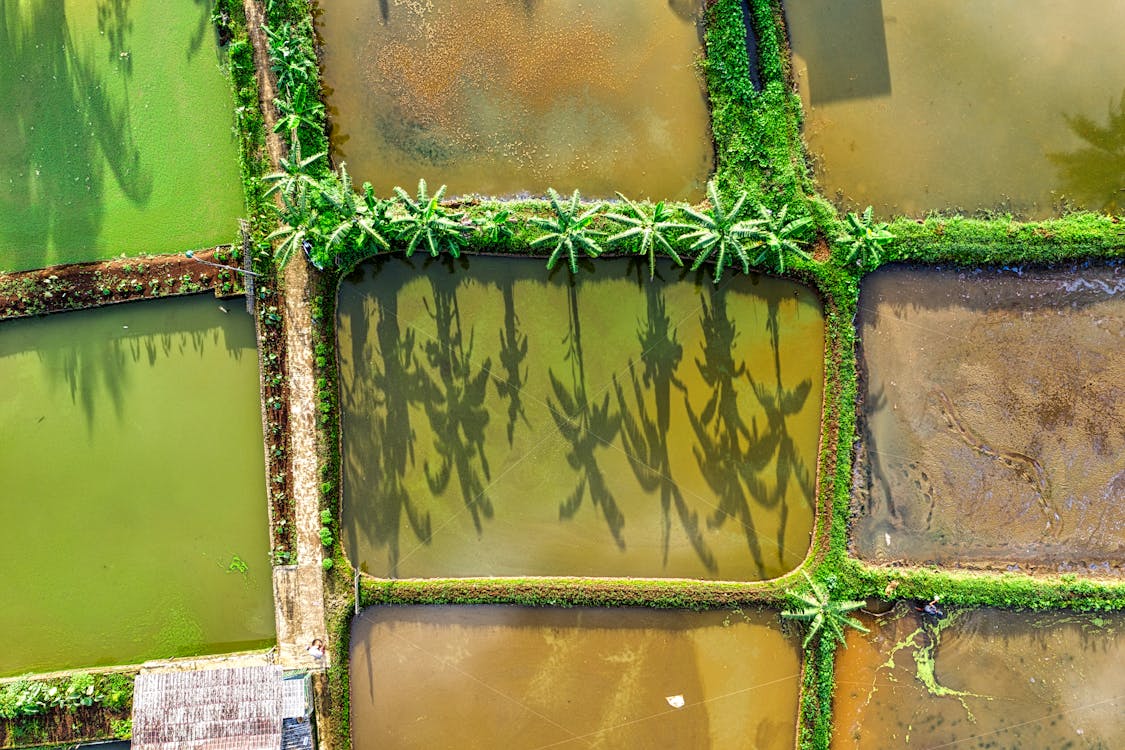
(117, 131)
(992, 417)
(511, 677)
(964, 104)
(500, 421)
(999, 680)
(510, 96)
(131, 477)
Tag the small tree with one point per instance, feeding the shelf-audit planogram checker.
(718, 232)
(569, 231)
(864, 239)
(428, 223)
(777, 237)
(651, 231)
(821, 612)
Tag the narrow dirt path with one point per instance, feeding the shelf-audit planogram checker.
(298, 589)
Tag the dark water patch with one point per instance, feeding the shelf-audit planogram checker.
(500, 422)
(992, 417)
(514, 677)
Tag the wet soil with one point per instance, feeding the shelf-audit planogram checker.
(992, 421)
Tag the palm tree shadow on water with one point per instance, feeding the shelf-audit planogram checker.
(779, 405)
(513, 352)
(61, 125)
(380, 437)
(585, 426)
(1095, 173)
(453, 395)
(646, 438)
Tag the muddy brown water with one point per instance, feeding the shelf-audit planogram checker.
(511, 677)
(1016, 105)
(999, 680)
(501, 98)
(500, 421)
(993, 418)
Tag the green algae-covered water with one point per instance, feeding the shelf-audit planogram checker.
(511, 677)
(117, 126)
(502, 98)
(500, 421)
(131, 487)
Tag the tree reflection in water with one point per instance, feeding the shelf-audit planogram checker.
(454, 402)
(1095, 174)
(646, 440)
(585, 427)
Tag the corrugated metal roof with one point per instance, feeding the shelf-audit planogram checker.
(213, 709)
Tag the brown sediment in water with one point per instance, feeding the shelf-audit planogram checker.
(502, 98)
(523, 677)
(981, 679)
(991, 419)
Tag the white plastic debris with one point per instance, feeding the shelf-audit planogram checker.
(675, 701)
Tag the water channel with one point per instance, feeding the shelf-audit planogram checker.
(132, 512)
(1016, 105)
(500, 421)
(510, 97)
(980, 680)
(488, 677)
(117, 125)
(992, 417)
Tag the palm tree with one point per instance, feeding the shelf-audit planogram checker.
(863, 238)
(568, 230)
(297, 108)
(294, 172)
(817, 608)
(428, 223)
(777, 237)
(353, 220)
(651, 231)
(718, 232)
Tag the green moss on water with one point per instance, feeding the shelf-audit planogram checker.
(117, 128)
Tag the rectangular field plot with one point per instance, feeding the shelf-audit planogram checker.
(117, 131)
(498, 421)
(132, 517)
(501, 98)
(992, 418)
(492, 677)
(1016, 105)
(982, 680)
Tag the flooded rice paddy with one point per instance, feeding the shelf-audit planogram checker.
(993, 413)
(1015, 105)
(487, 677)
(501, 98)
(498, 421)
(982, 679)
(132, 512)
(117, 131)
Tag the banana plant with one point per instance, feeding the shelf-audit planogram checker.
(296, 109)
(777, 237)
(300, 227)
(569, 230)
(354, 225)
(864, 239)
(719, 233)
(648, 230)
(428, 223)
(295, 170)
(821, 612)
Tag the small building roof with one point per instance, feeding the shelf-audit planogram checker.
(211, 709)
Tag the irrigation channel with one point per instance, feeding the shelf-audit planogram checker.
(497, 421)
(1008, 105)
(138, 425)
(601, 96)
